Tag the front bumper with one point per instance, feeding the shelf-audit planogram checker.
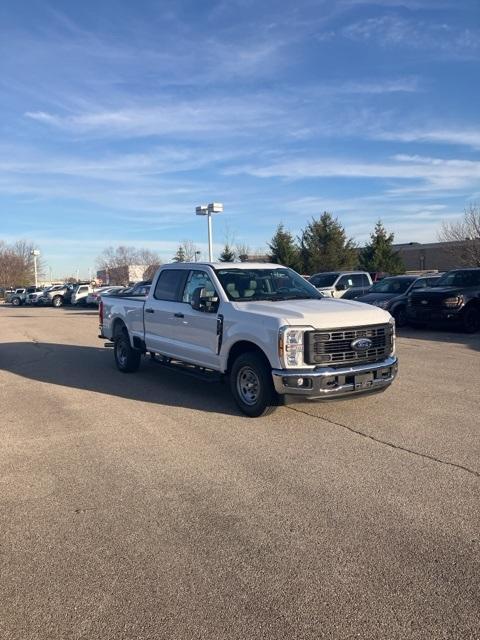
(329, 382)
(450, 316)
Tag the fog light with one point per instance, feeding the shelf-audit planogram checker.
(299, 382)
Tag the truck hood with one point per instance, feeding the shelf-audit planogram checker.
(436, 292)
(320, 314)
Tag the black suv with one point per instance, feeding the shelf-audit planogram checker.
(455, 300)
(392, 294)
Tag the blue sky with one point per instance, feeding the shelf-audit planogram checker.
(117, 118)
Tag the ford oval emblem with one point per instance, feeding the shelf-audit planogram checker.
(361, 344)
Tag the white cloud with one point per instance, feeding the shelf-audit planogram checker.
(215, 115)
(394, 30)
(437, 172)
(465, 137)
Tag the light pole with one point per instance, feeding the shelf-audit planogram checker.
(35, 253)
(207, 210)
(197, 255)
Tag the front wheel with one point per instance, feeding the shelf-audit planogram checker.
(127, 358)
(16, 302)
(471, 320)
(400, 316)
(57, 301)
(252, 386)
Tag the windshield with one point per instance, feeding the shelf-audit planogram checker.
(460, 279)
(323, 279)
(274, 284)
(392, 285)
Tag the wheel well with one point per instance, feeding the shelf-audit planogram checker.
(472, 304)
(118, 326)
(243, 346)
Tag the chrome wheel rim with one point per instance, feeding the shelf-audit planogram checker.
(122, 354)
(248, 385)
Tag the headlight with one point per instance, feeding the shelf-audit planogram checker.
(453, 302)
(290, 346)
(392, 335)
(383, 304)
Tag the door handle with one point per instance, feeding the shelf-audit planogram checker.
(149, 310)
(178, 315)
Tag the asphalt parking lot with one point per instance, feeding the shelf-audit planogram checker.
(146, 507)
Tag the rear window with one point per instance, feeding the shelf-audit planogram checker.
(170, 283)
(460, 278)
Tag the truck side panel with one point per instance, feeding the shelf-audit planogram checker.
(129, 311)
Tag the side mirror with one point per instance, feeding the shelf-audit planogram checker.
(201, 302)
(341, 287)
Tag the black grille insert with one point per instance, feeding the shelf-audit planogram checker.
(334, 347)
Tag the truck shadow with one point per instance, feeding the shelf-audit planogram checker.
(472, 341)
(93, 369)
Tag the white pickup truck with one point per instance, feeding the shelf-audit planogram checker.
(261, 326)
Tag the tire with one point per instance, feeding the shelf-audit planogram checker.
(471, 320)
(16, 302)
(127, 359)
(251, 385)
(400, 315)
(57, 302)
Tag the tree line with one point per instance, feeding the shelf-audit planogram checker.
(322, 245)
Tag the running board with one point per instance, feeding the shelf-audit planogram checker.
(193, 371)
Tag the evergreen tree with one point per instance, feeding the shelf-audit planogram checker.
(228, 254)
(379, 255)
(284, 249)
(180, 255)
(324, 246)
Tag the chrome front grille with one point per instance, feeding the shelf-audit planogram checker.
(334, 347)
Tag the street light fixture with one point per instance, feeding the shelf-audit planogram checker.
(207, 210)
(35, 253)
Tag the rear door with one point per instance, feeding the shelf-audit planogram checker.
(160, 321)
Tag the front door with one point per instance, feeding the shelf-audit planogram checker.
(197, 337)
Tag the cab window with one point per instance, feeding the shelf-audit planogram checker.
(198, 280)
(169, 284)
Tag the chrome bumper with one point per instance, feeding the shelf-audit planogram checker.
(329, 382)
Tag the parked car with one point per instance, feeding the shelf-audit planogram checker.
(335, 284)
(19, 296)
(14, 293)
(80, 293)
(376, 276)
(93, 297)
(138, 289)
(36, 297)
(454, 301)
(261, 326)
(392, 294)
(58, 295)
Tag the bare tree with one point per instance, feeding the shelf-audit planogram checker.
(17, 265)
(120, 256)
(189, 250)
(242, 250)
(464, 236)
(123, 256)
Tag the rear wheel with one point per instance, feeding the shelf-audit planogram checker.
(57, 301)
(252, 386)
(16, 302)
(127, 358)
(471, 320)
